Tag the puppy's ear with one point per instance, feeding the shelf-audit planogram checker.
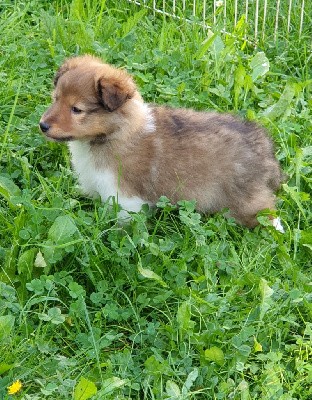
(115, 91)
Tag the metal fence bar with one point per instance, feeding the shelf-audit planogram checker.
(246, 10)
(288, 16)
(204, 12)
(301, 18)
(256, 19)
(214, 12)
(264, 18)
(235, 12)
(224, 14)
(276, 19)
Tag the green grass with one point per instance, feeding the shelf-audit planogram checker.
(175, 305)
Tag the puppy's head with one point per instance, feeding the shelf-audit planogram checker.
(89, 100)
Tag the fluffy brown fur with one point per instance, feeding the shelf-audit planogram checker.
(216, 159)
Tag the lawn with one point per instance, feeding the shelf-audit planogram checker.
(174, 305)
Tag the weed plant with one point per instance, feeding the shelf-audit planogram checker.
(174, 305)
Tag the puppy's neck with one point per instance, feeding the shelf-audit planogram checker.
(136, 118)
(133, 120)
(142, 114)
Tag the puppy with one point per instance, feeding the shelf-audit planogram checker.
(137, 152)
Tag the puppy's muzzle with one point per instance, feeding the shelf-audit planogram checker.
(44, 127)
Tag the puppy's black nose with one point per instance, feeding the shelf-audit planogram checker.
(44, 127)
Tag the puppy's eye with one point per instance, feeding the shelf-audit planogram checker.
(76, 110)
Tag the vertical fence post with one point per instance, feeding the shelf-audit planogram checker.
(256, 19)
(225, 10)
(264, 18)
(276, 19)
(301, 18)
(235, 12)
(204, 12)
(288, 16)
(214, 12)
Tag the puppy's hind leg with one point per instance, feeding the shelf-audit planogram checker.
(245, 212)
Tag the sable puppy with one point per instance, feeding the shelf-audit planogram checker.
(123, 147)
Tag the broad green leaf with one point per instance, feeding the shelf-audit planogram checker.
(153, 365)
(132, 21)
(215, 354)
(153, 248)
(308, 329)
(282, 106)
(306, 238)
(243, 388)
(218, 46)
(257, 346)
(36, 286)
(156, 365)
(297, 197)
(84, 390)
(63, 230)
(56, 316)
(239, 81)
(260, 65)
(184, 315)
(76, 290)
(4, 367)
(49, 389)
(266, 294)
(191, 378)
(240, 28)
(111, 384)
(8, 188)
(164, 202)
(6, 325)
(147, 273)
(173, 389)
(25, 262)
(307, 151)
(265, 290)
(61, 239)
(309, 246)
(205, 45)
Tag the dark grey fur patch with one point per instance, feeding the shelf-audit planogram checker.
(178, 122)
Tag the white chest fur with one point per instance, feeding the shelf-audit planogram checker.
(99, 181)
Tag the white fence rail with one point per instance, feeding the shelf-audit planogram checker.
(261, 18)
